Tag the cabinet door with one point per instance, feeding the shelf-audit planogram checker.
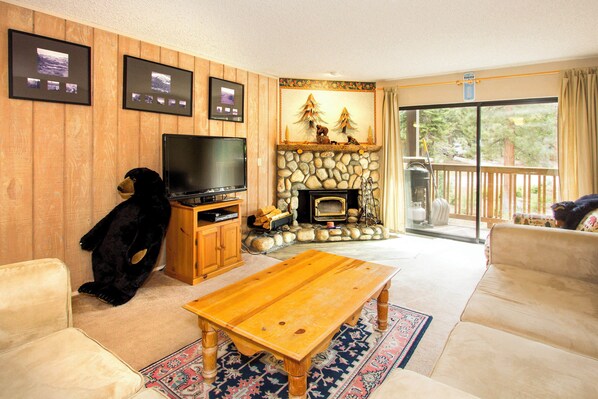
(231, 244)
(208, 247)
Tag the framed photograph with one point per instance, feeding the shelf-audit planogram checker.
(226, 100)
(45, 69)
(152, 87)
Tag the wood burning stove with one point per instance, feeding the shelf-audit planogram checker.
(329, 205)
(321, 206)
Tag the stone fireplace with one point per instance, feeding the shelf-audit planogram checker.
(321, 184)
(333, 170)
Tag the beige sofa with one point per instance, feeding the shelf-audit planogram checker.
(530, 329)
(41, 354)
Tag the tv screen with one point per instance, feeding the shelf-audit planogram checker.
(226, 100)
(199, 166)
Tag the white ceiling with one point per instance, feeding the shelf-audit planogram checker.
(351, 39)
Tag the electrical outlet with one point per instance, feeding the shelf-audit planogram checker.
(259, 162)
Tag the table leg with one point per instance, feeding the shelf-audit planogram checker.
(209, 349)
(297, 372)
(383, 308)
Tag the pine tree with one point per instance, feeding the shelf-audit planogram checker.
(310, 114)
(345, 123)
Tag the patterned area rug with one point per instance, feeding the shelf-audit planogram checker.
(357, 361)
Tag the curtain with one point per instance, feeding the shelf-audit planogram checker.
(393, 197)
(578, 134)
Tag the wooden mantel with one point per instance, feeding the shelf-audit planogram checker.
(328, 147)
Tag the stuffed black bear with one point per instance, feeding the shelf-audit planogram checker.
(126, 243)
(568, 214)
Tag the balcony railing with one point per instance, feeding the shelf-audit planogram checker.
(504, 190)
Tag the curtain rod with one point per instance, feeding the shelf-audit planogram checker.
(477, 80)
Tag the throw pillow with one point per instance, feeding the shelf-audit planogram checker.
(589, 222)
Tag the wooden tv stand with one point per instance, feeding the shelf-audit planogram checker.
(198, 249)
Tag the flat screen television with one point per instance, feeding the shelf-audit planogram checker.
(226, 100)
(203, 167)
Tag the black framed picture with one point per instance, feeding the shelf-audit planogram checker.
(153, 87)
(226, 100)
(45, 69)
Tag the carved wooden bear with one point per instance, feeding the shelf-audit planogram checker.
(322, 135)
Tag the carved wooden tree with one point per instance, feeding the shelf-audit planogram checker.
(310, 114)
(345, 123)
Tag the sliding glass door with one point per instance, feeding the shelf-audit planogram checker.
(468, 166)
(440, 170)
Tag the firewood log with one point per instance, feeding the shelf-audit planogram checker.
(273, 213)
(264, 211)
(279, 216)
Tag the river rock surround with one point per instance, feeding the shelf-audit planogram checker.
(329, 170)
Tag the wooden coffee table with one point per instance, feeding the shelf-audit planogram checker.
(291, 310)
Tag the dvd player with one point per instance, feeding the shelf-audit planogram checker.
(217, 216)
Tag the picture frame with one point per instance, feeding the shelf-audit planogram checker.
(153, 87)
(226, 100)
(44, 69)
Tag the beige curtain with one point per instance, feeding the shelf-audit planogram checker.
(578, 134)
(393, 196)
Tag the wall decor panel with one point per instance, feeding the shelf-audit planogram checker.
(105, 104)
(78, 151)
(272, 138)
(16, 153)
(128, 120)
(48, 160)
(263, 151)
(252, 122)
(228, 129)
(169, 123)
(186, 124)
(241, 131)
(216, 70)
(150, 137)
(332, 98)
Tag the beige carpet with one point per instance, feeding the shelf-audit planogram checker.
(437, 277)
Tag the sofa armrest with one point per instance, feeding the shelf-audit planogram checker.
(562, 252)
(35, 300)
(407, 384)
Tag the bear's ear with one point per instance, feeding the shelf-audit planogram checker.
(560, 210)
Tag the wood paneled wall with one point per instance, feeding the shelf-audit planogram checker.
(60, 164)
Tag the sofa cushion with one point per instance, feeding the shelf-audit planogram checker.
(490, 363)
(66, 364)
(407, 384)
(552, 309)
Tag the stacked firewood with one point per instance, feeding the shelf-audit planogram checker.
(265, 216)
